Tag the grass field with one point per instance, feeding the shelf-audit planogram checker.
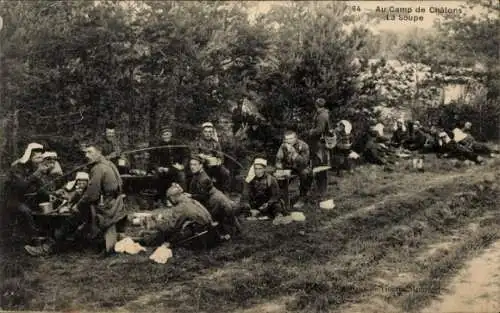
(393, 242)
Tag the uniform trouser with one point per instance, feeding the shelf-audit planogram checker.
(481, 148)
(23, 211)
(305, 179)
(321, 177)
(342, 161)
(222, 177)
(165, 180)
(272, 210)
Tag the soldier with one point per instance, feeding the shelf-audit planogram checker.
(262, 192)
(185, 210)
(294, 154)
(112, 150)
(451, 148)
(209, 148)
(201, 188)
(343, 147)
(321, 127)
(23, 184)
(169, 162)
(400, 134)
(102, 198)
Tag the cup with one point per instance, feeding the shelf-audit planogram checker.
(46, 207)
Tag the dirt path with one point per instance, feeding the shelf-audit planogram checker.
(476, 288)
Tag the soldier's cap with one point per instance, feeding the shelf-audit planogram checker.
(82, 176)
(260, 161)
(320, 102)
(197, 157)
(174, 190)
(207, 125)
(49, 155)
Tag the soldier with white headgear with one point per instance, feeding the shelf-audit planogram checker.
(209, 148)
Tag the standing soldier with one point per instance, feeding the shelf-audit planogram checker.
(319, 156)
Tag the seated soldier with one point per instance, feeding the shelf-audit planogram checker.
(208, 147)
(343, 148)
(72, 192)
(168, 162)
(53, 171)
(201, 188)
(102, 201)
(111, 149)
(140, 160)
(185, 217)
(464, 137)
(294, 154)
(375, 151)
(22, 186)
(400, 134)
(262, 192)
(420, 138)
(450, 148)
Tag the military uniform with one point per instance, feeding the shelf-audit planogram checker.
(105, 183)
(22, 193)
(300, 165)
(265, 191)
(319, 152)
(166, 157)
(221, 174)
(222, 209)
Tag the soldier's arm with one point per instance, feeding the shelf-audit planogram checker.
(279, 157)
(275, 191)
(302, 156)
(320, 126)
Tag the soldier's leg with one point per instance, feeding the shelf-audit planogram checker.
(223, 178)
(306, 179)
(321, 177)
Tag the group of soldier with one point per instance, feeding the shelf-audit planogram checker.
(194, 180)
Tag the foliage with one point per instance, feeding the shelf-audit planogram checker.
(71, 66)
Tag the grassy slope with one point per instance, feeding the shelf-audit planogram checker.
(382, 220)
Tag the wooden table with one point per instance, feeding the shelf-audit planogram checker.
(136, 183)
(51, 221)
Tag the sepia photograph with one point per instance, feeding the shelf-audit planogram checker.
(250, 156)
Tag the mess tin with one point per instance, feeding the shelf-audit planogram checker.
(46, 207)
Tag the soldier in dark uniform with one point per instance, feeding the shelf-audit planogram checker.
(169, 162)
(210, 150)
(22, 192)
(400, 134)
(112, 149)
(262, 192)
(451, 148)
(294, 154)
(201, 188)
(321, 127)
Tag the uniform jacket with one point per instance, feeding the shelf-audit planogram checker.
(105, 181)
(209, 147)
(301, 162)
(165, 157)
